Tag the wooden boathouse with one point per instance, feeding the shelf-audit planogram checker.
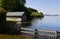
(16, 16)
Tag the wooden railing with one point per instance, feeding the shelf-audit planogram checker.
(44, 33)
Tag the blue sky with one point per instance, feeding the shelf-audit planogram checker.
(45, 6)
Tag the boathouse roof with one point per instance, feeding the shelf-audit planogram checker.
(15, 13)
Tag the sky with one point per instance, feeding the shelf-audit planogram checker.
(45, 6)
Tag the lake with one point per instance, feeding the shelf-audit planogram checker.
(46, 23)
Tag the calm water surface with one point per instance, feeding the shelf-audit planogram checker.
(46, 23)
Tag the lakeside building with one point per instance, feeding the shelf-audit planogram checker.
(16, 16)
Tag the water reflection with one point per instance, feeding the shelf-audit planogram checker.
(46, 23)
(31, 23)
(26, 24)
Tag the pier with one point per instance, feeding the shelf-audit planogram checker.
(42, 34)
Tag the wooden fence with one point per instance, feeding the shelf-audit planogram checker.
(42, 34)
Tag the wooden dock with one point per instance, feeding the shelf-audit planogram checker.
(44, 33)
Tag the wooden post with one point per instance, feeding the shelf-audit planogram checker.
(18, 29)
(36, 34)
(58, 35)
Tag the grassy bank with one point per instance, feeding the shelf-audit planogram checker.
(6, 36)
(20, 36)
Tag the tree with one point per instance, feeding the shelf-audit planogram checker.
(22, 2)
(33, 10)
(42, 15)
(10, 5)
(0, 2)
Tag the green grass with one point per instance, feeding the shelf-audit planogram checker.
(20, 36)
(11, 20)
